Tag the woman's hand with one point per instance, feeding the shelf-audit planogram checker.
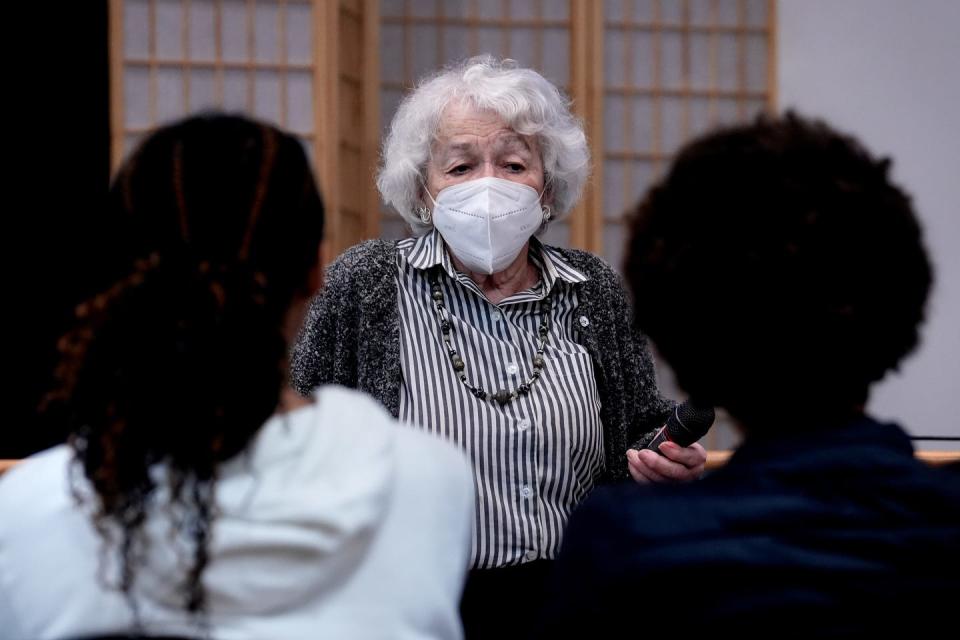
(677, 464)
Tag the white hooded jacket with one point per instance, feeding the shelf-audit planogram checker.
(336, 523)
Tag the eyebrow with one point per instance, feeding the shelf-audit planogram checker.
(460, 146)
(511, 142)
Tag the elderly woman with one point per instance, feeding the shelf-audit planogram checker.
(520, 353)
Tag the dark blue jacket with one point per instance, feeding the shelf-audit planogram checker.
(831, 533)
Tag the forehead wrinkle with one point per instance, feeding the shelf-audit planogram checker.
(461, 147)
(451, 148)
(500, 142)
(511, 142)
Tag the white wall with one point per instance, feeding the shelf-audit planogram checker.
(888, 71)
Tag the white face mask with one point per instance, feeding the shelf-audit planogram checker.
(487, 221)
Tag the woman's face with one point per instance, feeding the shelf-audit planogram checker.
(474, 144)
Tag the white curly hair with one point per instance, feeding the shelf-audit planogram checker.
(526, 101)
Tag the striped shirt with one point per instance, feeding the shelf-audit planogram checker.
(535, 458)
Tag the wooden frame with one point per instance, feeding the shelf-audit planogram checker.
(718, 458)
(580, 77)
(715, 459)
(336, 76)
(325, 59)
(371, 97)
(116, 84)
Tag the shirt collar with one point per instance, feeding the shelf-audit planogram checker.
(429, 251)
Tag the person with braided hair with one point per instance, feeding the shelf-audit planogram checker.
(198, 494)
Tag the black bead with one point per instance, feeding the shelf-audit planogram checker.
(437, 295)
(538, 362)
(503, 397)
(524, 389)
(457, 363)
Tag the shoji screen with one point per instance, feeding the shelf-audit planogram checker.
(309, 66)
(672, 69)
(174, 57)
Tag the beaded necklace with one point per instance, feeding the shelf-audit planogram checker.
(502, 396)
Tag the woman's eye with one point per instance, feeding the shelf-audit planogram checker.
(459, 170)
(515, 167)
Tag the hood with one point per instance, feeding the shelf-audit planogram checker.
(295, 512)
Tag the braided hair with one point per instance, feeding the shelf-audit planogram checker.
(180, 362)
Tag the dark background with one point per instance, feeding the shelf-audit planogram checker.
(58, 157)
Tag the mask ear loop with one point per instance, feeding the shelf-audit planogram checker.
(425, 215)
(546, 183)
(545, 209)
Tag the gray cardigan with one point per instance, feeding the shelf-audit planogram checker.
(351, 337)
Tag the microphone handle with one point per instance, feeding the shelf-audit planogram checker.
(662, 436)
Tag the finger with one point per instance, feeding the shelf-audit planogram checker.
(677, 472)
(633, 467)
(689, 457)
(652, 466)
(637, 476)
(669, 470)
(696, 471)
(638, 469)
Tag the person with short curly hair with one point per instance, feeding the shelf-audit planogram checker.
(790, 273)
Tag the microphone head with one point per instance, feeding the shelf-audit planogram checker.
(689, 422)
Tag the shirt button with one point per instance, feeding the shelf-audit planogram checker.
(496, 316)
(512, 368)
(525, 491)
(530, 555)
(584, 321)
(524, 424)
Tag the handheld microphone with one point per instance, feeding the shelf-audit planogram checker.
(687, 423)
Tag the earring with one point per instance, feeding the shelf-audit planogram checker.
(546, 214)
(424, 214)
